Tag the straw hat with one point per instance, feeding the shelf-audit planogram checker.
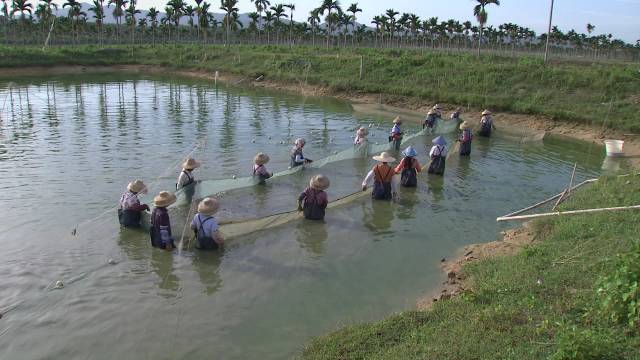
(384, 157)
(164, 199)
(439, 140)
(397, 120)
(437, 107)
(208, 206)
(137, 186)
(190, 164)
(319, 182)
(261, 159)
(464, 125)
(363, 131)
(300, 142)
(486, 112)
(410, 151)
(432, 112)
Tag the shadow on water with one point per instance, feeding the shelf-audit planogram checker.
(312, 235)
(377, 216)
(207, 265)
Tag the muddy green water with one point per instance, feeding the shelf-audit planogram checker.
(69, 145)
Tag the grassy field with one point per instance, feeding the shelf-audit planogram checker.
(544, 303)
(593, 93)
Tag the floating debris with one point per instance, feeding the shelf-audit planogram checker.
(370, 125)
(234, 177)
(253, 140)
(111, 262)
(59, 284)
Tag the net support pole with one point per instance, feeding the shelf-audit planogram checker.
(571, 212)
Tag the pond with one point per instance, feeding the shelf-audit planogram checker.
(69, 145)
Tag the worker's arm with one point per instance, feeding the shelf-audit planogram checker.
(367, 180)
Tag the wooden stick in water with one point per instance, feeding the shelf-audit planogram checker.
(548, 200)
(572, 212)
(567, 191)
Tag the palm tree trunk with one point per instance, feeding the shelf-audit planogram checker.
(480, 38)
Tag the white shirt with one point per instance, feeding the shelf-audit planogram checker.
(370, 177)
(438, 150)
(184, 178)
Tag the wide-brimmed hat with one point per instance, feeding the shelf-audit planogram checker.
(384, 157)
(164, 199)
(300, 142)
(397, 120)
(410, 151)
(439, 140)
(319, 182)
(261, 159)
(486, 112)
(432, 112)
(208, 206)
(464, 125)
(190, 164)
(362, 131)
(137, 186)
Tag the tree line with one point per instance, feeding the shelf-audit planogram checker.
(330, 24)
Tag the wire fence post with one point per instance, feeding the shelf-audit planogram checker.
(361, 67)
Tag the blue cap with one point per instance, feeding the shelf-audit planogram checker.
(410, 151)
(439, 140)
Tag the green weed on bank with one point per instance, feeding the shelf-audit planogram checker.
(548, 302)
(598, 94)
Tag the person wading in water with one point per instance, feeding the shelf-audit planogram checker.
(205, 226)
(438, 155)
(129, 208)
(486, 124)
(259, 170)
(465, 139)
(297, 158)
(160, 231)
(409, 168)
(396, 133)
(313, 200)
(382, 175)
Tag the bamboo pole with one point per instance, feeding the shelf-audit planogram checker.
(566, 191)
(571, 212)
(547, 200)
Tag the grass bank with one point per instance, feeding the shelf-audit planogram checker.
(572, 295)
(586, 93)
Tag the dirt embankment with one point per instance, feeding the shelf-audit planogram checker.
(514, 241)
(573, 130)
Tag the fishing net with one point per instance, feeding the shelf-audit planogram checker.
(234, 229)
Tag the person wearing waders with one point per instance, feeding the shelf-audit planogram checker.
(205, 226)
(465, 139)
(186, 177)
(160, 231)
(382, 175)
(297, 158)
(486, 124)
(456, 115)
(129, 208)
(438, 154)
(259, 170)
(361, 135)
(313, 200)
(409, 168)
(396, 133)
(430, 122)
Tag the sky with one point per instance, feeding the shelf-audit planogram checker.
(618, 17)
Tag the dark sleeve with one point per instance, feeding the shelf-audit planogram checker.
(137, 207)
(323, 201)
(302, 195)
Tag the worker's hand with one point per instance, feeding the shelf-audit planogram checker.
(145, 207)
(364, 187)
(394, 195)
(308, 161)
(300, 206)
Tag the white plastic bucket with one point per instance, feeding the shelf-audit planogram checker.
(614, 147)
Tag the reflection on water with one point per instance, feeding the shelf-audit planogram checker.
(70, 145)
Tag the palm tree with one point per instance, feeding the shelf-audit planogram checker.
(177, 10)
(354, 9)
(131, 18)
(253, 24)
(152, 14)
(203, 19)
(228, 6)
(21, 6)
(118, 12)
(74, 14)
(261, 5)
(314, 21)
(268, 17)
(291, 8)
(98, 15)
(481, 14)
(391, 15)
(329, 6)
(378, 21)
